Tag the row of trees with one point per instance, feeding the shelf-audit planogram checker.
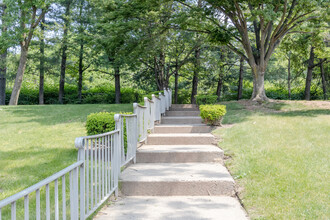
(153, 44)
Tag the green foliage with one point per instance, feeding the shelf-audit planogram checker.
(212, 114)
(101, 122)
(206, 99)
(183, 96)
(98, 95)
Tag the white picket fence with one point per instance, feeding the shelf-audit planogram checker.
(94, 178)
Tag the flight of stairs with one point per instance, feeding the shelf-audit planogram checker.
(179, 159)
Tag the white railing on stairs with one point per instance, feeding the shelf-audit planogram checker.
(94, 178)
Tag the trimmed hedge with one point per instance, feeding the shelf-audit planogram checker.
(29, 95)
(101, 122)
(206, 99)
(212, 114)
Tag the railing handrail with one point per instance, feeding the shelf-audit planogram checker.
(40, 184)
(99, 135)
(132, 115)
(141, 106)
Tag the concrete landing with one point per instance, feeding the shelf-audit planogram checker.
(182, 113)
(181, 139)
(176, 179)
(178, 154)
(178, 208)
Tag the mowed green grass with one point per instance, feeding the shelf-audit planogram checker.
(38, 141)
(280, 158)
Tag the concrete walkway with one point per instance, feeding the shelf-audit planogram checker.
(179, 174)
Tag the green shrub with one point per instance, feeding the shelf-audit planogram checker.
(212, 114)
(98, 123)
(102, 122)
(206, 99)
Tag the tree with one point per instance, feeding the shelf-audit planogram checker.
(258, 27)
(28, 13)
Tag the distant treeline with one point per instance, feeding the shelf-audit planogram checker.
(106, 95)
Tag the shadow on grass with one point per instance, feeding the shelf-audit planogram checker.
(305, 113)
(237, 112)
(59, 114)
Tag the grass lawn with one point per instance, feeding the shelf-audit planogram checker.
(279, 154)
(38, 141)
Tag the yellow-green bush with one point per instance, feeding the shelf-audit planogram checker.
(212, 114)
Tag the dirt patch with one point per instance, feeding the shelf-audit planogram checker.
(316, 104)
(263, 107)
(277, 106)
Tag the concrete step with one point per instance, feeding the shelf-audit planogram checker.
(173, 207)
(184, 106)
(193, 128)
(180, 139)
(178, 154)
(182, 120)
(176, 179)
(182, 113)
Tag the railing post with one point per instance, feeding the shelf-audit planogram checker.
(117, 149)
(135, 130)
(136, 112)
(80, 144)
(119, 127)
(166, 98)
(154, 99)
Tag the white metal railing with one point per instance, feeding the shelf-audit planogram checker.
(96, 174)
(127, 125)
(141, 112)
(102, 159)
(44, 187)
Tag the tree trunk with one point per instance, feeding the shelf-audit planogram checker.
(157, 72)
(81, 53)
(309, 74)
(289, 77)
(117, 85)
(195, 77)
(324, 82)
(3, 70)
(161, 69)
(176, 75)
(19, 76)
(64, 49)
(240, 79)
(42, 63)
(219, 86)
(3, 66)
(259, 93)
